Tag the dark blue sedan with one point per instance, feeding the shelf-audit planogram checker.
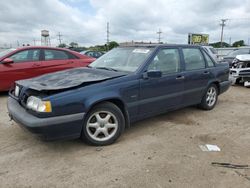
(98, 102)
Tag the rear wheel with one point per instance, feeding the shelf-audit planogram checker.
(209, 99)
(103, 125)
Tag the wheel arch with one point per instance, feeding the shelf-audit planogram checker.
(116, 101)
(215, 82)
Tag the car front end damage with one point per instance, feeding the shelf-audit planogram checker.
(240, 71)
(34, 117)
(35, 105)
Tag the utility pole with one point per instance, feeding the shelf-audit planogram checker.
(59, 38)
(108, 36)
(230, 41)
(222, 30)
(159, 35)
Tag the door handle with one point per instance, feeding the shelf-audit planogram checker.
(36, 65)
(206, 72)
(181, 77)
(70, 62)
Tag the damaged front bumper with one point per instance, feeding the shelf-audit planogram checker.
(52, 128)
(239, 75)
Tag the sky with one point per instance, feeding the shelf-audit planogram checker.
(85, 21)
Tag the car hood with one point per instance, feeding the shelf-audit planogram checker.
(68, 79)
(245, 57)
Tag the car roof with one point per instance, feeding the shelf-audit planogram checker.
(42, 47)
(159, 45)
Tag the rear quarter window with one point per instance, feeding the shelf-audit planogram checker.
(210, 62)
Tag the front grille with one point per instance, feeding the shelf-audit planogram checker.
(23, 99)
(245, 71)
(232, 71)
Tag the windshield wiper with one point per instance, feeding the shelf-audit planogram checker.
(106, 68)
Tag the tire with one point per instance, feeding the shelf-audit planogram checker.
(210, 98)
(237, 81)
(103, 125)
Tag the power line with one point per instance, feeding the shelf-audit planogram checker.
(60, 37)
(223, 21)
(159, 35)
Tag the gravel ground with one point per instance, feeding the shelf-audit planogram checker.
(159, 152)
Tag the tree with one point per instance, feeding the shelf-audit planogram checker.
(62, 45)
(218, 44)
(112, 45)
(73, 44)
(238, 43)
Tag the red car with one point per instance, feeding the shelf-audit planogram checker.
(29, 62)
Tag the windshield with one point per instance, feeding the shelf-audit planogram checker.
(5, 52)
(126, 59)
(239, 52)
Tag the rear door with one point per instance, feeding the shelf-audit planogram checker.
(24, 66)
(56, 60)
(165, 93)
(196, 75)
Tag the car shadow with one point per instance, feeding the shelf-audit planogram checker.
(136, 129)
(180, 116)
(3, 93)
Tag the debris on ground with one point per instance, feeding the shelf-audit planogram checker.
(209, 147)
(229, 165)
(242, 175)
(98, 149)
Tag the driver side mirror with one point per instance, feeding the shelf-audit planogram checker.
(7, 61)
(152, 74)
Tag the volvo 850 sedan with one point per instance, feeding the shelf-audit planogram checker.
(127, 84)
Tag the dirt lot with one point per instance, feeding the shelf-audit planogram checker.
(158, 152)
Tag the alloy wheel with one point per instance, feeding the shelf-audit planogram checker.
(211, 96)
(102, 125)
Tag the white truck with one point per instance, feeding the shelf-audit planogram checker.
(240, 71)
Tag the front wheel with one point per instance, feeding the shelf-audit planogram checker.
(103, 124)
(209, 99)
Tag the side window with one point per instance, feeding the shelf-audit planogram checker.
(55, 54)
(210, 62)
(26, 55)
(193, 59)
(167, 61)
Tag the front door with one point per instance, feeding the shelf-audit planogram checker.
(24, 66)
(161, 94)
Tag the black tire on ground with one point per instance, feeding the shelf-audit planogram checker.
(205, 104)
(117, 119)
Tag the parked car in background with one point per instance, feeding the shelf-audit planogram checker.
(29, 62)
(91, 53)
(212, 52)
(125, 85)
(232, 55)
(240, 71)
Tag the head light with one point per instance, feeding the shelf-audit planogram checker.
(17, 91)
(38, 105)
